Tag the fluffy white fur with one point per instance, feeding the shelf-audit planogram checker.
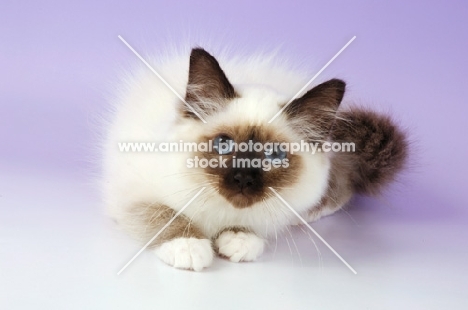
(147, 111)
(186, 253)
(239, 246)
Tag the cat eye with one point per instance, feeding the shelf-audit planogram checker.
(275, 153)
(223, 145)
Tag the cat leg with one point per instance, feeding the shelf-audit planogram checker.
(181, 244)
(338, 193)
(238, 244)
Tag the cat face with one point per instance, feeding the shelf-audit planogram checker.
(246, 175)
(238, 116)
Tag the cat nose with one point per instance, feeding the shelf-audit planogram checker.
(244, 179)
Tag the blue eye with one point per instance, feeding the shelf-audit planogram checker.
(223, 145)
(276, 153)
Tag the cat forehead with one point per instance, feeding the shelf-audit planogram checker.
(254, 106)
(259, 93)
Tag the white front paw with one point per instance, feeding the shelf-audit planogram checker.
(239, 246)
(186, 253)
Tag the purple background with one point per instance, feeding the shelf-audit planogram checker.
(57, 61)
(56, 64)
(409, 58)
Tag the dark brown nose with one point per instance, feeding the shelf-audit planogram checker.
(244, 179)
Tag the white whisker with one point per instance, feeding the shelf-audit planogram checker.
(313, 230)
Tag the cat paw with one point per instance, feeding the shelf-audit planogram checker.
(186, 253)
(239, 246)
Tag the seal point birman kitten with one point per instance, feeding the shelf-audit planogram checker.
(232, 101)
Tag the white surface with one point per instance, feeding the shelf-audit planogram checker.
(57, 251)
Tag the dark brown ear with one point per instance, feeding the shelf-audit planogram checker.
(318, 106)
(206, 81)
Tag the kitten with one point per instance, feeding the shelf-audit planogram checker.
(237, 211)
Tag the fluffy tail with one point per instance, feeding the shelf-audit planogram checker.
(381, 149)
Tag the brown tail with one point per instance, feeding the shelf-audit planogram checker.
(381, 149)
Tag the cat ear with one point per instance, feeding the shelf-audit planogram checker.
(207, 83)
(319, 105)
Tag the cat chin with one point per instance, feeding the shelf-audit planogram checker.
(240, 201)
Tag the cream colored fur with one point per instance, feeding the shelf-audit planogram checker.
(146, 110)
